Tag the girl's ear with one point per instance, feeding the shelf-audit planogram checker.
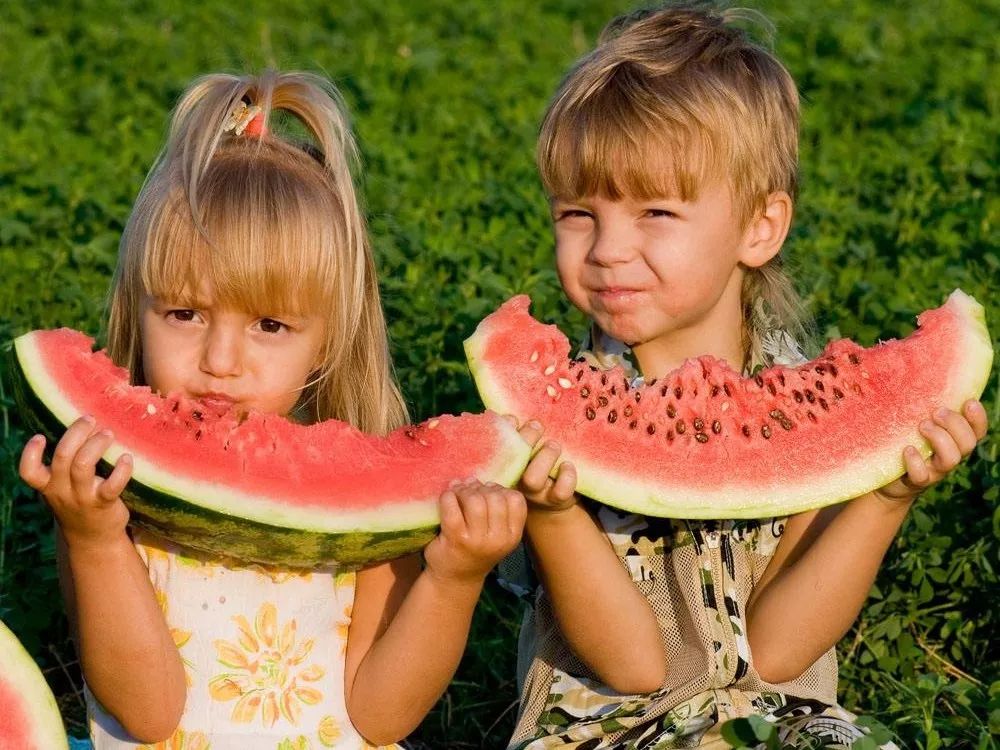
(766, 233)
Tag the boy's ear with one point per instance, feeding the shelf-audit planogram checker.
(766, 233)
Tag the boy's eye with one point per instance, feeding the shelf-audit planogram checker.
(660, 212)
(270, 325)
(572, 213)
(181, 315)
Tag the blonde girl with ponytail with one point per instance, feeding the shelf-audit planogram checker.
(669, 154)
(246, 280)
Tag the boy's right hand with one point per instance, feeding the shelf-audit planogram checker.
(88, 507)
(541, 491)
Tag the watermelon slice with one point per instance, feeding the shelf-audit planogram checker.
(29, 716)
(261, 488)
(704, 442)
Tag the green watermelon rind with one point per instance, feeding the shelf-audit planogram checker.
(19, 670)
(213, 518)
(854, 479)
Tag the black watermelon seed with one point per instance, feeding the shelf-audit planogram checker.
(638, 396)
(822, 402)
(781, 379)
(798, 396)
(759, 381)
(820, 386)
(604, 379)
(810, 396)
(197, 435)
(837, 393)
(174, 407)
(715, 390)
(765, 431)
(727, 389)
(664, 389)
(591, 414)
(613, 391)
(771, 388)
(776, 414)
(833, 370)
(680, 426)
(854, 359)
(746, 430)
(627, 411)
(671, 411)
(785, 424)
(633, 424)
(699, 424)
(197, 415)
(670, 436)
(678, 391)
(579, 375)
(652, 382)
(584, 392)
(602, 401)
(410, 434)
(820, 370)
(651, 428)
(612, 416)
(701, 437)
(856, 388)
(716, 426)
(812, 417)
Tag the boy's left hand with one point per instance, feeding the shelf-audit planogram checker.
(952, 436)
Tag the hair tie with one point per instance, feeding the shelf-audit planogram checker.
(246, 118)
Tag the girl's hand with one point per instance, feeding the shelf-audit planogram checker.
(87, 507)
(480, 525)
(952, 436)
(540, 490)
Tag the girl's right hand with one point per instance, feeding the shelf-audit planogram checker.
(539, 489)
(88, 507)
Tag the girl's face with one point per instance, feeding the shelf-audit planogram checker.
(227, 358)
(661, 275)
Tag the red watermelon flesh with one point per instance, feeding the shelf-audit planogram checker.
(29, 716)
(705, 442)
(260, 486)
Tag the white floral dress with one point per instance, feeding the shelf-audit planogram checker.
(263, 650)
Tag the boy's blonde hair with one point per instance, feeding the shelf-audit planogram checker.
(273, 225)
(671, 99)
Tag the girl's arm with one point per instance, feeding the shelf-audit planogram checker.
(826, 561)
(606, 621)
(409, 626)
(126, 651)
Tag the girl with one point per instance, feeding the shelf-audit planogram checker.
(669, 154)
(245, 280)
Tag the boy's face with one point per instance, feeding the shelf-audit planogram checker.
(661, 275)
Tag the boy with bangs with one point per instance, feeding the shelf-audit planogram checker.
(669, 154)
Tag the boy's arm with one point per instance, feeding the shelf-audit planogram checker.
(827, 560)
(409, 626)
(604, 618)
(127, 654)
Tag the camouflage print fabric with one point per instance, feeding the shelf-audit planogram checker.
(697, 577)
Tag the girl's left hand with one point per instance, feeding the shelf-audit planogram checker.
(952, 436)
(480, 525)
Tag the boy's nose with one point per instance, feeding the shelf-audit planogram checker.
(222, 355)
(610, 246)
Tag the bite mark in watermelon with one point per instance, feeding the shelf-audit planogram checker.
(705, 442)
(262, 488)
(29, 716)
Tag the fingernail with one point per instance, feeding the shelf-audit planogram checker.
(941, 413)
(535, 424)
(926, 425)
(454, 483)
(553, 445)
(107, 433)
(89, 419)
(37, 439)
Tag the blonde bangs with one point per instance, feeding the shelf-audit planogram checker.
(264, 243)
(625, 141)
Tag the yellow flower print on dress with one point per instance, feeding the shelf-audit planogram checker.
(266, 677)
(343, 627)
(181, 740)
(298, 743)
(329, 731)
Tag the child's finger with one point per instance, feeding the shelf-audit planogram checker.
(496, 513)
(517, 512)
(958, 426)
(31, 469)
(82, 469)
(473, 505)
(946, 452)
(918, 473)
(531, 431)
(76, 434)
(452, 520)
(565, 484)
(111, 488)
(976, 414)
(536, 475)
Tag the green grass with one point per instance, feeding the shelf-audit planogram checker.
(900, 204)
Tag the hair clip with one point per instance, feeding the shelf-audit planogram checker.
(246, 118)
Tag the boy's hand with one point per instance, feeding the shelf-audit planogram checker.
(540, 490)
(480, 525)
(952, 436)
(88, 507)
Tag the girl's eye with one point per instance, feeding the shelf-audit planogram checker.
(182, 315)
(270, 325)
(572, 213)
(660, 212)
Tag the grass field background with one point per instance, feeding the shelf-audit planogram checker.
(899, 205)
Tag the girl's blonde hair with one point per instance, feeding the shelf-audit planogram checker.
(670, 99)
(272, 223)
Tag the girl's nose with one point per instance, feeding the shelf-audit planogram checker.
(222, 354)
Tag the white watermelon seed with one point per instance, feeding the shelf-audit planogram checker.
(565, 382)
(150, 409)
(534, 356)
(550, 369)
